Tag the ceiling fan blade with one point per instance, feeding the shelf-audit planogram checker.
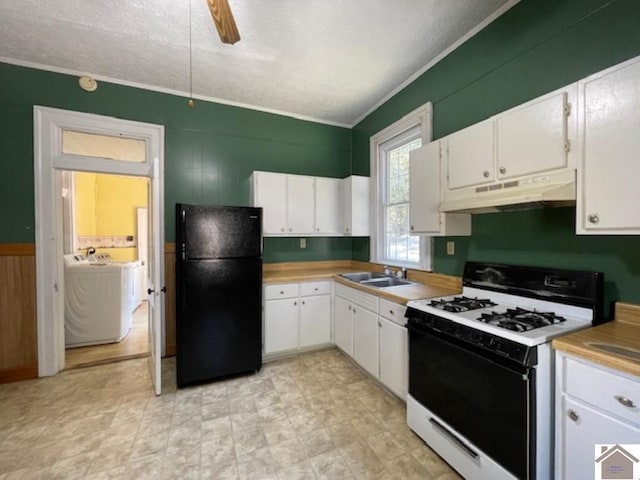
(223, 19)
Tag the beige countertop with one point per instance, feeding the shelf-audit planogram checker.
(429, 285)
(623, 332)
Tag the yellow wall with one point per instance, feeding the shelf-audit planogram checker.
(106, 205)
(85, 203)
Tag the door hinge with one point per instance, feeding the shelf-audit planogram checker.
(567, 145)
(567, 109)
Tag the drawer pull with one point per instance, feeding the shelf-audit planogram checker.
(627, 402)
(573, 415)
(281, 292)
(316, 289)
(349, 307)
(391, 312)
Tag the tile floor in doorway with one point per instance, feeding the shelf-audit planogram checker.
(315, 416)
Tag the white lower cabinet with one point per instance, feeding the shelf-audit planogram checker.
(315, 320)
(394, 348)
(371, 331)
(343, 325)
(595, 405)
(281, 325)
(296, 316)
(365, 339)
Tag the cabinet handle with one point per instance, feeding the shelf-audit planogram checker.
(412, 227)
(594, 218)
(486, 174)
(295, 304)
(627, 402)
(303, 302)
(282, 229)
(281, 292)
(379, 325)
(503, 170)
(316, 289)
(354, 309)
(317, 229)
(573, 415)
(349, 307)
(391, 312)
(289, 228)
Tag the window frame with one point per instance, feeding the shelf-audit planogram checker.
(418, 118)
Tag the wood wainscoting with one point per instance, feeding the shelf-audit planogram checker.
(18, 334)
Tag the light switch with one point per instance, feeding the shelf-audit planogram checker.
(303, 243)
(451, 248)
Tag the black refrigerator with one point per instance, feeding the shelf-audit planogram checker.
(218, 292)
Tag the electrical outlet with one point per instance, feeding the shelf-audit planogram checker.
(451, 248)
(303, 243)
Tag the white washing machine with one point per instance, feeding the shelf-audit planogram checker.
(97, 306)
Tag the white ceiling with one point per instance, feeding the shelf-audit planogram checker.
(326, 60)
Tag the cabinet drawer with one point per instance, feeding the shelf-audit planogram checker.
(393, 311)
(283, 290)
(603, 389)
(370, 302)
(315, 288)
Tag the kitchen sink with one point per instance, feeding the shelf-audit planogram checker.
(385, 282)
(363, 276)
(375, 280)
(631, 353)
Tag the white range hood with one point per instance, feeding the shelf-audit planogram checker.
(550, 189)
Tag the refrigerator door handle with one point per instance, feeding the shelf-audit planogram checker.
(183, 251)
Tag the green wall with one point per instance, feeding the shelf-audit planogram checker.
(210, 151)
(535, 47)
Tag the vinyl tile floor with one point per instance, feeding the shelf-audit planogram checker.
(315, 416)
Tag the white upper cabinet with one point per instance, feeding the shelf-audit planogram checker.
(270, 193)
(533, 138)
(300, 205)
(609, 168)
(425, 196)
(328, 220)
(471, 156)
(356, 206)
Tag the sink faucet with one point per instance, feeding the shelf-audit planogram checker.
(387, 270)
(401, 273)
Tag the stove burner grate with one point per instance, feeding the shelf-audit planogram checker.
(521, 320)
(462, 304)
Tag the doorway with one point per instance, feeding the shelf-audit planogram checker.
(53, 154)
(105, 227)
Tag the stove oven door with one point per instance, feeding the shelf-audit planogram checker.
(485, 398)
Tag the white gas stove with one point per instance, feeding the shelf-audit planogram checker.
(481, 366)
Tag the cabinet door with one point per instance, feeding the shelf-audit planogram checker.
(533, 138)
(424, 189)
(470, 156)
(583, 427)
(355, 200)
(300, 204)
(280, 325)
(365, 339)
(315, 320)
(610, 146)
(328, 209)
(394, 357)
(343, 325)
(270, 193)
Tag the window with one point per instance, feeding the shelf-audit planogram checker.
(391, 242)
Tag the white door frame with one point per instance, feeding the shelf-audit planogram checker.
(48, 160)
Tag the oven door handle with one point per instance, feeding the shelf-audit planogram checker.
(459, 443)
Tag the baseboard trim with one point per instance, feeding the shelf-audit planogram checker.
(26, 372)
